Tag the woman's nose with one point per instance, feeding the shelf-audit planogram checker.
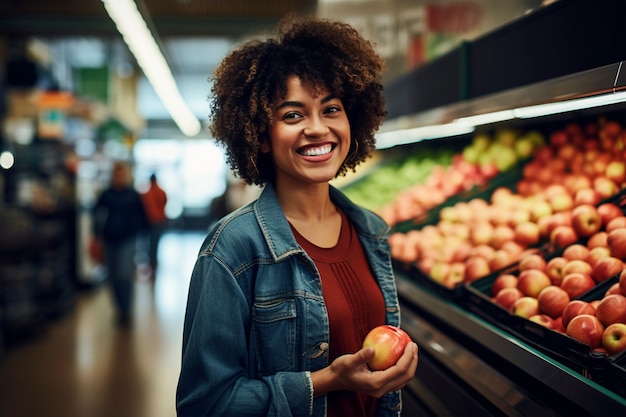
(316, 127)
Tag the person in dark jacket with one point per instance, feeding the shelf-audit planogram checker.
(119, 217)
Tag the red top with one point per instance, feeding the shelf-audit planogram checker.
(154, 201)
(354, 303)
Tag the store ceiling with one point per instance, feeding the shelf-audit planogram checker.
(194, 34)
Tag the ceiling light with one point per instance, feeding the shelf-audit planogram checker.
(143, 46)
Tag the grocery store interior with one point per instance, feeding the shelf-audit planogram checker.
(504, 150)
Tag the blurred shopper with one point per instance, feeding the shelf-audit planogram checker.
(285, 288)
(154, 201)
(119, 217)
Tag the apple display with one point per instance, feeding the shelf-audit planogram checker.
(612, 309)
(525, 307)
(575, 308)
(614, 338)
(532, 281)
(553, 300)
(388, 343)
(586, 220)
(586, 328)
(606, 268)
(576, 284)
(616, 242)
(507, 296)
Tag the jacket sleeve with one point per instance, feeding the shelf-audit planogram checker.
(218, 371)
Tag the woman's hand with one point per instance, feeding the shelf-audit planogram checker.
(350, 372)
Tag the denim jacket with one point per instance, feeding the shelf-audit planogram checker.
(256, 325)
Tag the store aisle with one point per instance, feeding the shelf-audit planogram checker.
(85, 366)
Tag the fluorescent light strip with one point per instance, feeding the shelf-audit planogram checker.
(404, 136)
(570, 105)
(141, 43)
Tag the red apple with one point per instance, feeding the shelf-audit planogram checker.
(606, 268)
(613, 289)
(608, 211)
(616, 241)
(605, 187)
(544, 320)
(612, 309)
(476, 267)
(577, 265)
(576, 308)
(527, 233)
(586, 328)
(586, 196)
(614, 338)
(532, 281)
(616, 223)
(586, 220)
(616, 171)
(553, 300)
(388, 343)
(576, 251)
(561, 202)
(576, 284)
(501, 259)
(532, 261)
(481, 233)
(597, 239)
(562, 236)
(554, 269)
(503, 281)
(455, 276)
(598, 253)
(501, 234)
(507, 296)
(525, 307)
(622, 281)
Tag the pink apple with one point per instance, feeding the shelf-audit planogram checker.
(598, 253)
(612, 309)
(481, 233)
(501, 234)
(606, 268)
(616, 241)
(586, 328)
(527, 233)
(561, 202)
(388, 343)
(562, 236)
(576, 251)
(476, 267)
(597, 239)
(532, 281)
(575, 308)
(501, 259)
(616, 171)
(614, 338)
(577, 265)
(616, 223)
(503, 281)
(507, 296)
(532, 261)
(605, 187)
(586, 196)
(552, 301)
(608, 211)
(544, 320)
(456, 275)
(613, 289)
(554, 269)
(586, 220)
(525, 307)
(576, 284)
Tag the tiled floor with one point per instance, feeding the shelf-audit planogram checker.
(85, 366)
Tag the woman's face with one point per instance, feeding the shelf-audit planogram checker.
(310, 134)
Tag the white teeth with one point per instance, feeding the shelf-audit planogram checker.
(317, 151)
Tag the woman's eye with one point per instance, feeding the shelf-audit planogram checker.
(291, 115)
(333, 109)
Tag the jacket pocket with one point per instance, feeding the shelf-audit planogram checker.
(274, 333)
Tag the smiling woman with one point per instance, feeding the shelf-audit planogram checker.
(297, 278)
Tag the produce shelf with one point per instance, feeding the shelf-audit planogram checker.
(542, 375)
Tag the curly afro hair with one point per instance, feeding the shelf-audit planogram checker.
(252, 78)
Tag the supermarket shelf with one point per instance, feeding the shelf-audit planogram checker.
(533, 371)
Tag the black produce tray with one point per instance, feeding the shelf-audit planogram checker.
(614, 374)
(574, 354)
